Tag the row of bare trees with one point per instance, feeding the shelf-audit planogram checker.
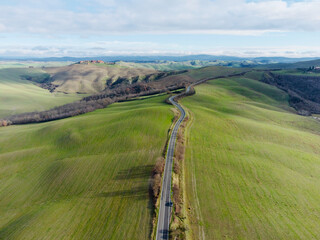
(87, 104)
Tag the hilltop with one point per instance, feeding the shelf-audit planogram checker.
(91, 78)
(300, 64)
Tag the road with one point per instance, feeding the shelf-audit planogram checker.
(165, 201)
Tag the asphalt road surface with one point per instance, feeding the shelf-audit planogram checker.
(165, 201)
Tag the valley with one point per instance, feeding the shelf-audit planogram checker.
(83, 164)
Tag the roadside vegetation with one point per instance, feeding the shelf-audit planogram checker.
(252, 164)
(179, 225)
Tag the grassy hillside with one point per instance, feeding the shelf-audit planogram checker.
(84, 177)
(303, 64)
(253, 167)
(92, 78)
(190, 64)
(18, 96)
(169, 65)
(297, 72)
(215, 71)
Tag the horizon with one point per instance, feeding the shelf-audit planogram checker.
(155, 57)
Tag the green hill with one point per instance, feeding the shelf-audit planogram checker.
(303, 64)
(252, 164)
(84, 177)
(92, 78)
(18, 95)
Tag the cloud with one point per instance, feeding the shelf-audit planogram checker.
(149, 16)
(118, 48)
(2, 28)
(99, 48)
(142, 27)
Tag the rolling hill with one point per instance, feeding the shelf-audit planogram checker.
(85, 177)
(252, 164)
(92, 78)
(19, 95)
(300, 64)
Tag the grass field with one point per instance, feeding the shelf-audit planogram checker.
(169, 65)
(18, 96)
(214, 71)
(296, 72)
(253, 167)
(84, 177)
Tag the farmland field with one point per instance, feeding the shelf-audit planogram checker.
(84, 177)
(214, 71)
(296, 72)
(18, 96)
(252, 165)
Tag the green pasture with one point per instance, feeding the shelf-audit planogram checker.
(85, 177)
(253, 165)
(18, 95)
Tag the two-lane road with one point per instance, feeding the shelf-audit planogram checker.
(165, 201)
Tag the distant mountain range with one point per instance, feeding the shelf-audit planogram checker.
(266, 60)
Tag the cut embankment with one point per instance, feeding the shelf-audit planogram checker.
(254, 163)
(85, 177)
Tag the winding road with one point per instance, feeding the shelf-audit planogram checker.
(165, 201)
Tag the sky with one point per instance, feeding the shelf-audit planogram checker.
(56, 28)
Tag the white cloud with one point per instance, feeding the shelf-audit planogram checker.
(65, 28)
(118, 48)
(99, 48)
(2, 28)
(149, 16)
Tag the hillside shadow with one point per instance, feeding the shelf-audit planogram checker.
(141, 172)
(140, 192)
(10, 230)
(140, 176)
(136, 193)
